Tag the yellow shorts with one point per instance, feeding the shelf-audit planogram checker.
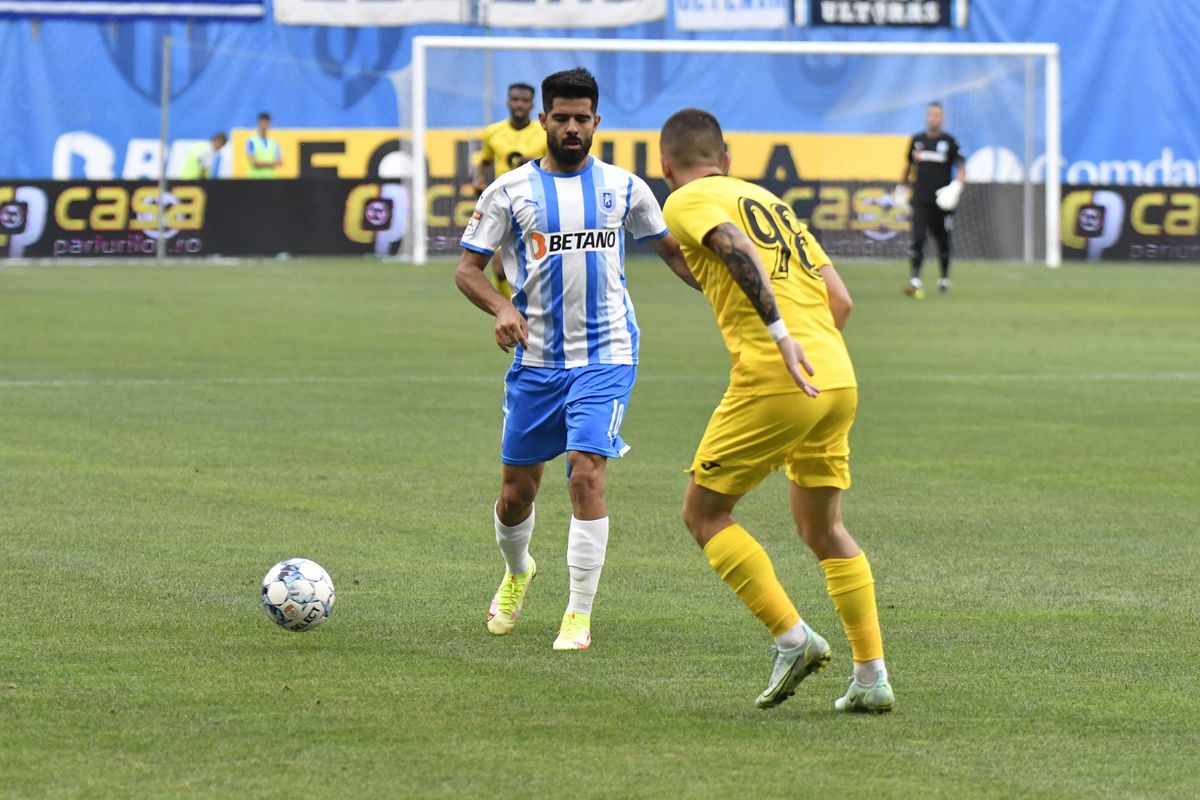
(750, 437)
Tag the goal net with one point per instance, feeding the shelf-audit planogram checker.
(825, 125)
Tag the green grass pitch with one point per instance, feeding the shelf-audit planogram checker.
(1026, 471)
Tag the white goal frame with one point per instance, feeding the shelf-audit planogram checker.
(421, 45)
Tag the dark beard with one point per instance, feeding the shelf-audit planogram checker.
(568, 158)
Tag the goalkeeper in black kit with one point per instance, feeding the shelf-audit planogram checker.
(933, 177)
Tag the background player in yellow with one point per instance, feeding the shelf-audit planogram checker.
(780, 307)
(508, 144)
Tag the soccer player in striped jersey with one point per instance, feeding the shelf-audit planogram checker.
(559, 223)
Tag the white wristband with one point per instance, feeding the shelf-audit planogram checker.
(778, 330)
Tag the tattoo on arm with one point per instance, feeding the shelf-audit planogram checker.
(743, 266)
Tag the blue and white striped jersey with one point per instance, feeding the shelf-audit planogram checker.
(562, 242)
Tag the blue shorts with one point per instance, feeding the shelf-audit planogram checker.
(548, 411)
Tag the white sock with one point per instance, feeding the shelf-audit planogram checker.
(793, 637)
(867, 672)
(514, 541)
(915, 282)
(587, 540)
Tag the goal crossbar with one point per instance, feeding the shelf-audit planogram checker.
(421, 45)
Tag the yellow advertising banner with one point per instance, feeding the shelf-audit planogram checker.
(357, 153)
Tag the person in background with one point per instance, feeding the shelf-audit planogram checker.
(203, 161)
(263, 152)
(934, 174)
(508, 144)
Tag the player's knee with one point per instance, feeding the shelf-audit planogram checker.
(516, 496)
(587, 476)
(695, 526)
(585, 483)
(689, 517)
(814, 534)
(699, 521)
(520, 489)
(818, 533)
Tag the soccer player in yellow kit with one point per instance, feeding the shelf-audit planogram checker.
(780, 307)
(508, 144)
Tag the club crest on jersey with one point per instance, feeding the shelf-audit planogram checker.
(608, 199)
(549, 244)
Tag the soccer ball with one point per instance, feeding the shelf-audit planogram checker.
(297, 594)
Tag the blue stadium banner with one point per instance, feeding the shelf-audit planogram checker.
(134, 9)
(882, 13)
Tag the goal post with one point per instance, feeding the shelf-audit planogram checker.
(1022, 56)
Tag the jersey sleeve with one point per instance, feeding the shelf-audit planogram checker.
(487, 152)
(645, 218)
(491, 222)
(912, 142)
(691, 216)
(956, 152)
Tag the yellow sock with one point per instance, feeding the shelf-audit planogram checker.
(502, 286)
(852, 588)
(746, 568)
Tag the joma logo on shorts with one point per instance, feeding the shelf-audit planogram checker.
(548, 244)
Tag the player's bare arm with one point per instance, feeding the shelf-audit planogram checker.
(736, 250)
(903, 191)
(469, 277)
(268, 163)
(840, 303)
(668, 250)
(482, 177)
(909, 174)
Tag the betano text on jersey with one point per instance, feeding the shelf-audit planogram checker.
(562, 244)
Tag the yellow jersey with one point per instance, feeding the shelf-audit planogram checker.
(792, 258)
(508, 148)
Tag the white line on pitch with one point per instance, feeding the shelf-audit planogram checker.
(1040, 377)
(1095, 377)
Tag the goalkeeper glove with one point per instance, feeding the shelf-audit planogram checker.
(948, 196)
